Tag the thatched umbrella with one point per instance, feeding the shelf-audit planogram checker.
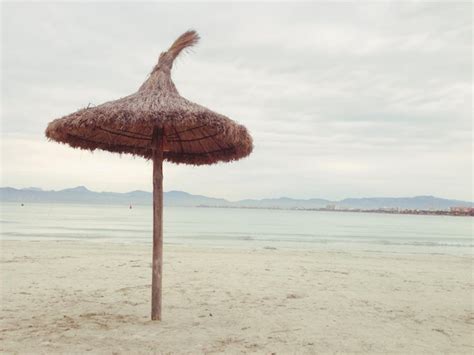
(156, 123)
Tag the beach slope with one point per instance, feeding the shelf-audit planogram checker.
(64, 297)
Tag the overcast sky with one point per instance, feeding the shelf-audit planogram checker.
(342, 100)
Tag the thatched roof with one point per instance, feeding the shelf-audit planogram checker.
(193, 134)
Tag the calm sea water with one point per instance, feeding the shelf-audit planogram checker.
(244, 228)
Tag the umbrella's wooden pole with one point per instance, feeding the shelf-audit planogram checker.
(157, 263)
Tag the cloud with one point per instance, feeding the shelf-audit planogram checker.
(343, 99)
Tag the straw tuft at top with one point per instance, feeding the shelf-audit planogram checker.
(187, 39)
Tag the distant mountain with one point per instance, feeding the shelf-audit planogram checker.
(82, 195)
(34, 188)
(417, 202)
(180, 198)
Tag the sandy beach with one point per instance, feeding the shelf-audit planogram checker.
(75, 297)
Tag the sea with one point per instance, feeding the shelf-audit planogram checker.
(240, 228)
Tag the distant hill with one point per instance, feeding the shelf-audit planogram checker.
(82, 195)
(417, 202)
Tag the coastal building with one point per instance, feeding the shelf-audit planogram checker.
(461, 210)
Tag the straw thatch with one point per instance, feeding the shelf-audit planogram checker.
(192, 134)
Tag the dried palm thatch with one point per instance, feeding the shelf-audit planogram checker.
(158, 124)
(192, 133)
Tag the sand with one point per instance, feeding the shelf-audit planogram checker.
(75, 297)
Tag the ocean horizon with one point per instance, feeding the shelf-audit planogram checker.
(240, 228)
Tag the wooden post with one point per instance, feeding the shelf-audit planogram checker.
(157, 262)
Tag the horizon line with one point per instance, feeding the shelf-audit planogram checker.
(33, 188)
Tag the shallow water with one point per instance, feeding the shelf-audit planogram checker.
(248, 228)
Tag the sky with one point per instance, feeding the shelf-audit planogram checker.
(343, 100)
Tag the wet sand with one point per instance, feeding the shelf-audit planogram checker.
(74, 297)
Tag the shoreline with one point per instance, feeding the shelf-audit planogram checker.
(412, 212)
(68, 296)
(272, 246)
(466, 212)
